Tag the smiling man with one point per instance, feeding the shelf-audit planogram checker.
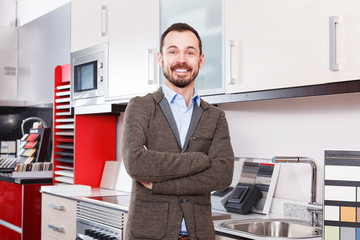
(176, 147)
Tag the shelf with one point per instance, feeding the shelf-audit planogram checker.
(66, 173)
(64, 128)
(63, 87)
(67, 106)
(64, 120)
(65, 133)
(65, 146)
(352, 86)
(64, 160)
(63, 93)
(65, 179)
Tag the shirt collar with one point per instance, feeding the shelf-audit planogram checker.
(170, 94)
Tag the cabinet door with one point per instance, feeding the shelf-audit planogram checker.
(343, 40)
(89, 23)
(273, 44)
(205, 16)
(133, 41)
(8, 62)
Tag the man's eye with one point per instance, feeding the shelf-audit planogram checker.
(172, 52)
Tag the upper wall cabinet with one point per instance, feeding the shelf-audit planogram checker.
(8, 63)
(88, 23)
(131, 29)
(273, 44)
(206, 17)
(278, 43)
(343, 40)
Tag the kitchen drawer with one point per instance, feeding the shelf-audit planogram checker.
(59, 207)
(58, 217)
(58, 228)
(47, 237)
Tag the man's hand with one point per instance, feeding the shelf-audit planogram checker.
(148, 185)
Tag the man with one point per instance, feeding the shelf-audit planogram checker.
(176, 147)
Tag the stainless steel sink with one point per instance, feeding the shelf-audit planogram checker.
(274, 228)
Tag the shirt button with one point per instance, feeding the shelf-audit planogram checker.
(182, 200)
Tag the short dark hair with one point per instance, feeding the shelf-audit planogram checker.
(180, 27)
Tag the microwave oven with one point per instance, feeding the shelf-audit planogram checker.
(89, 75)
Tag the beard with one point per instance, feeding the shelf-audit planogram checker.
(180, 82)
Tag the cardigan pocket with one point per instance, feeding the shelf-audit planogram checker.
(150, 219)
(204, 226)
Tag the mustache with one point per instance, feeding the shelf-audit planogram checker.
(181, 65)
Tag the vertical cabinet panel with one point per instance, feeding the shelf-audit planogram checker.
(273, 44)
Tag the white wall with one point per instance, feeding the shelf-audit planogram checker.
(295, 127)
(30, 10)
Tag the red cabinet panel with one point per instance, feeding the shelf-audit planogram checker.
(95, 143)
(32, 212)
(8, 234)
(11, 202)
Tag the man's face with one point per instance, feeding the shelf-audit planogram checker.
(180, 58)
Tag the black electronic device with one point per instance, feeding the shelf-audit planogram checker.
(243, 198)
(222, 192)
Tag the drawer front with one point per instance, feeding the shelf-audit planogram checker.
(58, 207)
(58, 217)
(58, 228)
(47, 237)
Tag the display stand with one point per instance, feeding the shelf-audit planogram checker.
(34, 144)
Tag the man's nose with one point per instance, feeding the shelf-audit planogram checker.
(182, 57)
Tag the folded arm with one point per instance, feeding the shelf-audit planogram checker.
(217, 176)
(149, 165)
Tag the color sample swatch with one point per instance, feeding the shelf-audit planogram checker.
(342, 195)
(264, 175)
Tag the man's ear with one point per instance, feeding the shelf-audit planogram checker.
(159, 59)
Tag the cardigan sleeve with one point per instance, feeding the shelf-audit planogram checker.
(217, 176)
(149, 165)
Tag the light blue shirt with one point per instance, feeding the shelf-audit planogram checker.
(182, 115)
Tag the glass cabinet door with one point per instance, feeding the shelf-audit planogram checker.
(206, 17)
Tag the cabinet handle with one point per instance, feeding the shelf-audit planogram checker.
(103, 20)
(56, 206)
(229, 78)
(151, 66)
(55, 228)
(333, 66)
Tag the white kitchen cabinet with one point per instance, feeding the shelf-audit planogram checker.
(131, 29)
(206, 17)
(89, 23)
(8, 63)
(133, 45)
(274, 44)
(346, 37)
(58, 217)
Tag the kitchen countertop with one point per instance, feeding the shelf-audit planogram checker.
(85, 193)
(7, 177)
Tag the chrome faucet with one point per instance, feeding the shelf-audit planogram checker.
(313, 207)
